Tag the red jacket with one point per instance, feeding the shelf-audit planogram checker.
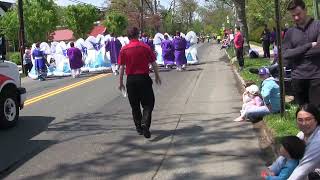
(238, 40)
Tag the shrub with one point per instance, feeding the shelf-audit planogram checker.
(14, 57)
(255, 34)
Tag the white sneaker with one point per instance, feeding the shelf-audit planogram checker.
(239, 119)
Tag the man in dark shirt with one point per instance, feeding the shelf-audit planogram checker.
(265, 38)
(135, 58)
(301, 50)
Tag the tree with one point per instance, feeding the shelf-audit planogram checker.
(132, 9)
(197, 26)
(80, 18)
(186, 11)
(214, 17)
(116, 23)
(10, 25)
(40, 19)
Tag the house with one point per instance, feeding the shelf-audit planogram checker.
(98, 29)
(62, 35)
(66, 35)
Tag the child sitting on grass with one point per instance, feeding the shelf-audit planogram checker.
(292, 149)
(251, 97)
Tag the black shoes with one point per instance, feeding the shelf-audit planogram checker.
(146, 132)
(139, 130)
(143, 131)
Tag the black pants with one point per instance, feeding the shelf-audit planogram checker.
(306, 91)
(239, 54)
(27, 68)
(140, 93)
(266, 49)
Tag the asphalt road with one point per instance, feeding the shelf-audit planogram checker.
(87, 132)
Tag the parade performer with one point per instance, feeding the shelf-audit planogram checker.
(180, 45)
(167, 51)
(147, 40)
(40, 62)
(113, 45)
(192, 50)
(135, 58)
(75, 60)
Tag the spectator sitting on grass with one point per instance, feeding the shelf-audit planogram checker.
(308, 121)
(251, 98)
(270, 93)
(253, 53)
(292, 149)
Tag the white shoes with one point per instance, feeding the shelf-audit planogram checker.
(239, 119)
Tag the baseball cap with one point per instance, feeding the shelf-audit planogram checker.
(253, 89)
(263, 71)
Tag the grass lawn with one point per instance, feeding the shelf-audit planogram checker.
(253, 63)
(231, 52)
(281, 126)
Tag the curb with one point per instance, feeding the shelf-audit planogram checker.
(266, 139)
(240, 80)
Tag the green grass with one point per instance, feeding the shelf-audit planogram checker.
(231, 52)
(252, 63)
(283, 126)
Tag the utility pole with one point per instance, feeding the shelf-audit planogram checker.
(155, 7)
(21, 32)
(279, 45)
(141, 15)
(316, 4)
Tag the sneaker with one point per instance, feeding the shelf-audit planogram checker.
(239, 119)
(146, 132)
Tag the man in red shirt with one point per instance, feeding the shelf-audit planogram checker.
(135, 58)
(238, 43)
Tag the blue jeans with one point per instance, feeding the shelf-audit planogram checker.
(256, 112)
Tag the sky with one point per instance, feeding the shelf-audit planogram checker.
(99, 3)
(165, 3)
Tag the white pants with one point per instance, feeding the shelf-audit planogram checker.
(75, 72)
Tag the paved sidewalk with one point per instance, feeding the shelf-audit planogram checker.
(206, 143)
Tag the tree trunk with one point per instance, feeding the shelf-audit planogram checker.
(240, 6)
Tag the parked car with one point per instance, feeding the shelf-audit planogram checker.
(12, 95)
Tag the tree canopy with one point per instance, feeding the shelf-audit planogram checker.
(40, 19)
(80, 18)
(116, 23)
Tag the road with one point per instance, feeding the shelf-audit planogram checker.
(85, 130)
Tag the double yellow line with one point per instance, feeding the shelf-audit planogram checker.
(63, 89)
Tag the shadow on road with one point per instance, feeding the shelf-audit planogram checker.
(17, 145)
(128, 155)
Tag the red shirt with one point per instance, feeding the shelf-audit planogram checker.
(238, 40)
(136, 56)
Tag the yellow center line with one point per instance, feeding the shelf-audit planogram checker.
(63, 89)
